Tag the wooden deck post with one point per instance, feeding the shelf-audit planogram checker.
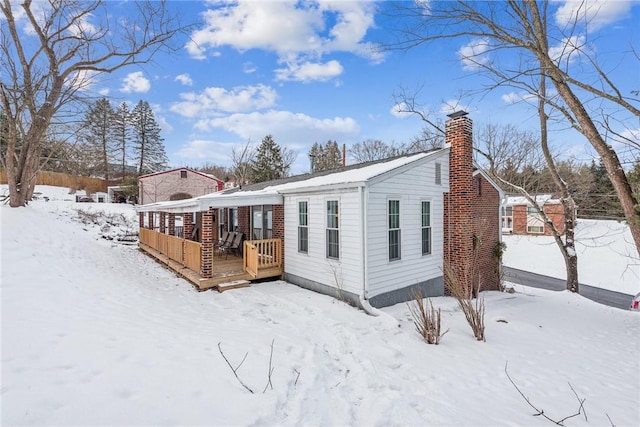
(172, 224)
(206, 253)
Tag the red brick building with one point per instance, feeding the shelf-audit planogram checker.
(519, 216)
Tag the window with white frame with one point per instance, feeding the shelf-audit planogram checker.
(426, 227)
(393, 214)
(535, 223)
(333, 231)
(303, 227)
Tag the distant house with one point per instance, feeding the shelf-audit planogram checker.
(367, 233)
(519, 216)
(176, 184)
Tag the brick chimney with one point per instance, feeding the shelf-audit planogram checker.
(459, 202)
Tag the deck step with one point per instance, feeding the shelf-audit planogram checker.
(232, 285)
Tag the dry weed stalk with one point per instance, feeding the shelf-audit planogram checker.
(473, 310)
(426, 319)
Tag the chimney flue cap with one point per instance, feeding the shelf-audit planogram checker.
(459, 113)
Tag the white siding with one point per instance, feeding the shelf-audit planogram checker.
(314, 265)
(411, 187)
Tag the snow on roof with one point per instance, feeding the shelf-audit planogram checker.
(541, 199)
(352, 176)
(271, 192)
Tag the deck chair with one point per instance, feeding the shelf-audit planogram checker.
(225, 241)
(235, 245)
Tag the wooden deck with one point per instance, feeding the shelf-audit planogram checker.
(226, 269)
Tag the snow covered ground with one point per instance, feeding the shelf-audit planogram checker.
(607, 257)
(96, 333)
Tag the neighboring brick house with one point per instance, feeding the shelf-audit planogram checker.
(520, 217)
(176, 184)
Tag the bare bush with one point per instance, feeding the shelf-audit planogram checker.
(456, 284)
(426, 319)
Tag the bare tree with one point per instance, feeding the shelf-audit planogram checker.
(241, 158)
(587, 98)
(46, 66)
(370, 150)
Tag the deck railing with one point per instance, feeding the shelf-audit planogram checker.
(186, 252)
(259, 255)
(262, 254)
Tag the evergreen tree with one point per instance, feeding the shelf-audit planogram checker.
(98, 135)
(268, 163)
(148, 148)
(122, 134)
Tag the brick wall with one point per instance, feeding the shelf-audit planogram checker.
(278, 227)
(554, 211)
(172, 224)
(471, 225)
(487, 233)
(244, 222)
(206, 239)
(161, 186)
(187, 225)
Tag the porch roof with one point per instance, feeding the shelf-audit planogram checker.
(215, 200)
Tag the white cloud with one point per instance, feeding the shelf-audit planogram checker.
(594, 14)
(453, 105)
(400, 111)
(309, 71)
(135, 82)
(160, 118)
(298, 32)
(514, 98)
(185, 79)
(568, 50)
(290, 128)
(104, 92)
(206, 150)
(473, 55)
(249, 68)
(216, 100)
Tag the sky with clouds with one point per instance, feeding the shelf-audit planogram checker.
(311, 71)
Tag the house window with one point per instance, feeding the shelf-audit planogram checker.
(426, 228)
(507, 218)
(535, 223)
(183, 174)
(262, 222)
(303, 227)
(393, 214)
(333, 232)
(438, 173)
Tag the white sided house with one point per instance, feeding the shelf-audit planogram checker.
(368, 233)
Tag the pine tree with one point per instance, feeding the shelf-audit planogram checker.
(148, 148)
(98, 135)
(122, 134)
(268, 163)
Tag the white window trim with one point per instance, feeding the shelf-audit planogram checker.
(430, 227)
(399, 229)
(326, 228)
(306, 226)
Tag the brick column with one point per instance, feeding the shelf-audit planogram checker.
(459, 202)
(141, 219)
(278, 227)
(163, 222)
(172, 224)
(151, 215)
(206, 238)
(187, 225)
(244, 223)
